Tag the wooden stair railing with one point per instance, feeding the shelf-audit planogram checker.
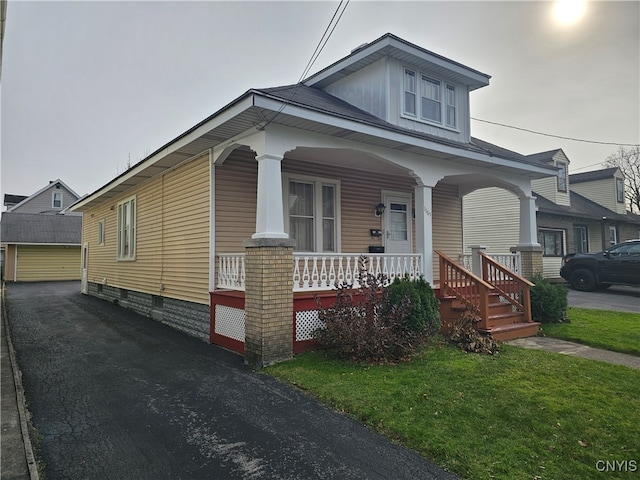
(472, 291)
(510, 286)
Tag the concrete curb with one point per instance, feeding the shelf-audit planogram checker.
(32, 464)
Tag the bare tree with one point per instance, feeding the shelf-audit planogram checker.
(628, 161)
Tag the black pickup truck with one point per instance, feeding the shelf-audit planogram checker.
(617, 265)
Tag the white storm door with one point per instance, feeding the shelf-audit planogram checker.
(397, 223)
(83, 277)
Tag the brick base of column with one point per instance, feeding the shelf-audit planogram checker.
(268, 301)
(530, 260)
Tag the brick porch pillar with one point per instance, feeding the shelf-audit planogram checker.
(268, 301)
(530, 260)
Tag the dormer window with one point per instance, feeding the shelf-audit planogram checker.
(562, 177)
(57, 200)
(429, 107)
(619, 190)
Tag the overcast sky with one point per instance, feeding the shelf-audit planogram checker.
(87, 85)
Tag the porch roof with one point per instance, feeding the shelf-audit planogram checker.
(312, 110)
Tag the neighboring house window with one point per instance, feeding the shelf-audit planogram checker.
(613, 234)
(127, 229)
(57, 199)
(619, 190)
(552, 242)
(437, 100)
(562, 177)
(409, 92)
(580, 239)
(313, 214)
(101, 232)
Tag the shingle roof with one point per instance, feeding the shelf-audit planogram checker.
(544, 156)
(593, 175)
(582, 207)
(319, 100)
(34, 228)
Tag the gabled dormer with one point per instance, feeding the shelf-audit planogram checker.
(605, 187)
(406, 86)
(52, 199)
(554, 188)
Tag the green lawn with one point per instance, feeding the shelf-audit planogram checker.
(615, 331)
(522, 414)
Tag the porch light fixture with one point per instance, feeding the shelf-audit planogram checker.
(380, 209)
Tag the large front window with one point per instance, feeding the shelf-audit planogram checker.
(127, 229)
(552, 242)
(313, 214)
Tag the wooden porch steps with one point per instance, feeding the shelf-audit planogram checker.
(502, 323)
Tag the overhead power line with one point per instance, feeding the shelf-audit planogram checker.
(556, 136)
(333, 23)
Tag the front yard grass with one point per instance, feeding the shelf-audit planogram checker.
(615, 331)
(521, 414)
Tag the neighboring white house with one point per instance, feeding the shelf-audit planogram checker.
(583, 212)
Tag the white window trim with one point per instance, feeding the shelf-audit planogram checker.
(619, 190)
(318, 182)
(443, 101)
(101, 232)
(613, 229)
(53, 199)
(132, 239)
(565, 178)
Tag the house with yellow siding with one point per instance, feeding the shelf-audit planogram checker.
(40, 237)
(228, 230)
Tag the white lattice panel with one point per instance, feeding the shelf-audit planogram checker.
(307, 322)
(230, 322)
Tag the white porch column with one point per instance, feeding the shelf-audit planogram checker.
(269, 210)
(424, 230)
(476, 259)
(528, 228)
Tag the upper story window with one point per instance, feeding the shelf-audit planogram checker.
(619, 190)
(313, 213)
(126, 249)
(57, 200)
(562, 177)
(437, 102)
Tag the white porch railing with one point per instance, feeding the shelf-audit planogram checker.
(322, 271)
(510, 261)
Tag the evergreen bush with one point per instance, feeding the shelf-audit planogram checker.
(548, 301)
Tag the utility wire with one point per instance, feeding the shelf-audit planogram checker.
(557, 136)
(316, 53)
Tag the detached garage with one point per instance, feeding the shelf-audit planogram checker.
(41, 247)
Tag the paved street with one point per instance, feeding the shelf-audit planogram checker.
(119, 396)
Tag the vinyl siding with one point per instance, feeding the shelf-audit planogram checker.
(446, 223)
(44, 201)
(10, 263)
(492, 219)
(172, 236)
(46, 263)
(602, 192)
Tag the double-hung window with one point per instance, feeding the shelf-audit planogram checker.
(101, 232)
(57, 200)
(562, 177)
(429, 99)
(312, 212)
(127, 229)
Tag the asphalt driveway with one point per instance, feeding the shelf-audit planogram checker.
(115, 395)
(617, 298)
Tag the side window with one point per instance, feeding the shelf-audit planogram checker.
(562, 177)
(101, 232)
(126, 249)
(619, 190)
(57, 200)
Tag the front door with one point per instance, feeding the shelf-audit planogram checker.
(83, 277)
(397, 223)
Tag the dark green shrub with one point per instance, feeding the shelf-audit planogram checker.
(368, 324)
(548, 301)
(425, 311)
